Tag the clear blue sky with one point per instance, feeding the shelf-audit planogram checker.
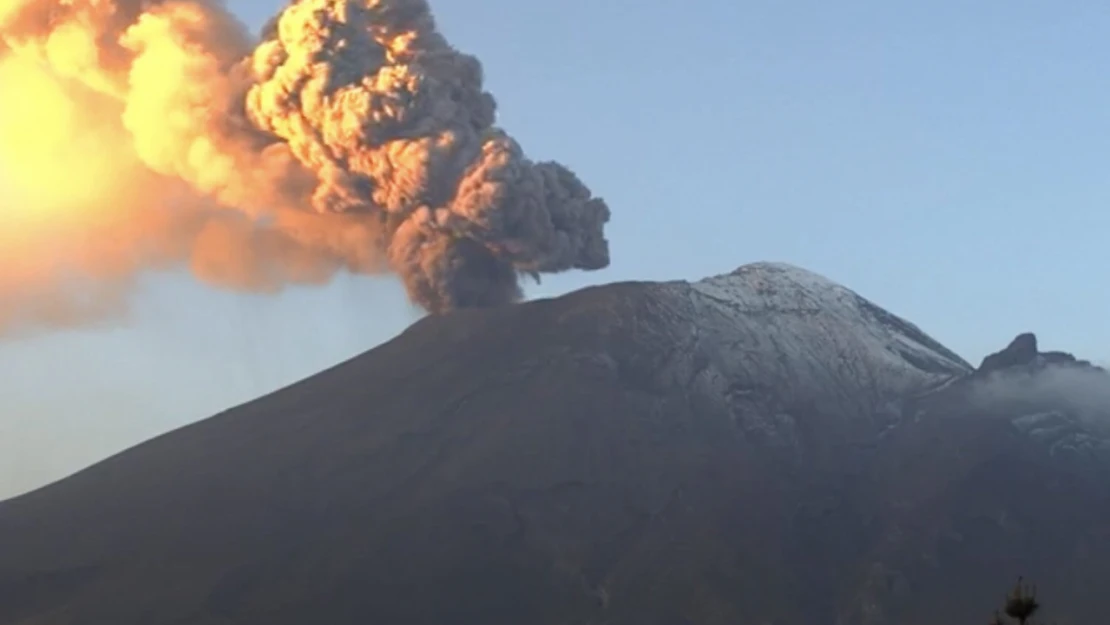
(945, 159)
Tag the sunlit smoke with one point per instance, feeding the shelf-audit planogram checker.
(139, 135)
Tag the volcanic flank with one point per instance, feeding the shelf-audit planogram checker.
(352, 137)
(759, 447)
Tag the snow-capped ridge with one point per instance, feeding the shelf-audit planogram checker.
(776, 287)
(819, 340)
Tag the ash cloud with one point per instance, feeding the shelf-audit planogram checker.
(351, 137)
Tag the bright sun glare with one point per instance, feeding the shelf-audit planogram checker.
(56, 167)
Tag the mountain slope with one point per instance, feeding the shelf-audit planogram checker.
(760, 447)
(1002, 471)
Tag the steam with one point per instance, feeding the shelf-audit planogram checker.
(138, 135)
(1084, 390)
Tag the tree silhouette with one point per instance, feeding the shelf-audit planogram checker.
(1020, 605)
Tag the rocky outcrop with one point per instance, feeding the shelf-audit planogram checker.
(1021, 351)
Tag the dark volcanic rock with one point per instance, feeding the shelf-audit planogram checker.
(1021, 351)
(760, 447)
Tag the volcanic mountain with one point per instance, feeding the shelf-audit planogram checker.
(761, 447)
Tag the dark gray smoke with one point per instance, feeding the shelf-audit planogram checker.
(352, 136)
(395, 124)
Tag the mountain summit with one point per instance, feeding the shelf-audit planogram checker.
(764, 446)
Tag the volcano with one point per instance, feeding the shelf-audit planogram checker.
(760, 447)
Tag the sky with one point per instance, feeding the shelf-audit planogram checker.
(946, 160)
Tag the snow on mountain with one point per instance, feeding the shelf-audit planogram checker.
(777, 327)
(719, 440)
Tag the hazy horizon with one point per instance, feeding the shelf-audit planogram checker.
(942, 161)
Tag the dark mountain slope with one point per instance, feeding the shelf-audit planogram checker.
(760, 447)
(1006, 470)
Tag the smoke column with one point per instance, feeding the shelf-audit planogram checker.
(139, 135)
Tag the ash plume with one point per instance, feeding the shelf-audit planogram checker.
(352, 136)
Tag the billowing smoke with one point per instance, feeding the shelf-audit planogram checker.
(145, 134)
